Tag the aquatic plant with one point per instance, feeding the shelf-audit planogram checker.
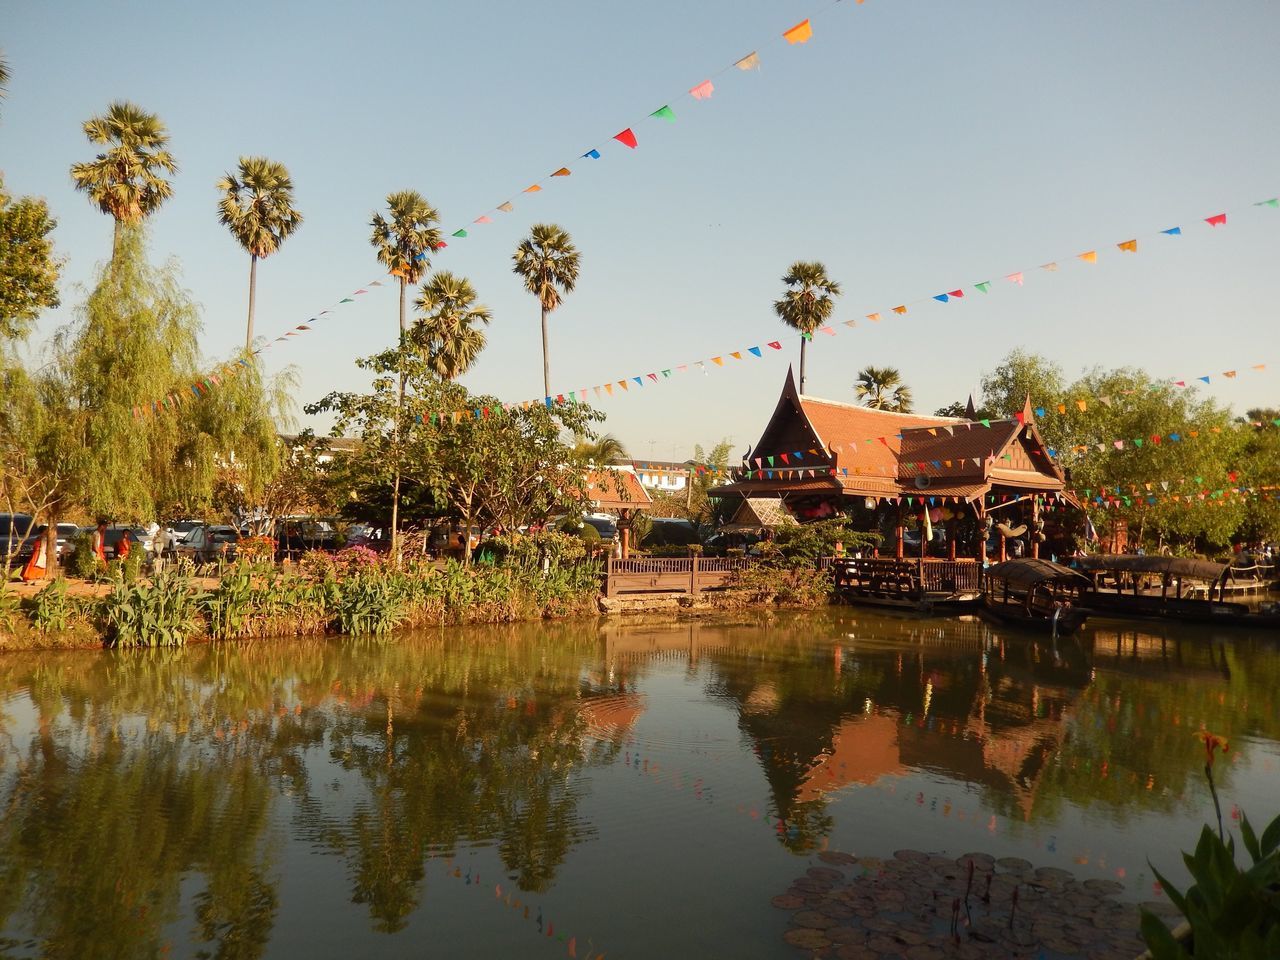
(1230, 912)
(368, 604)
(10, 609)
(228, 608)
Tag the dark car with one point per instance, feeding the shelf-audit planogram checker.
(297, 535)
(18, 536)
(670, 532)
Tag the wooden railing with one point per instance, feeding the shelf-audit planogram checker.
(689, 575)
(905, 578)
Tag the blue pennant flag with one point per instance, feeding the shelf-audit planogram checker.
(591, 155)
(942, 298)
(754, 350)
(1173, 231)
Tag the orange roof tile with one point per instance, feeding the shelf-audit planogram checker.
(616, 490)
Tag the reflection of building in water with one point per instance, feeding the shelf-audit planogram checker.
(611, 717)
(863, 749)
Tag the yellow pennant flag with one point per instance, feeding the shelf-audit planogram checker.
(737, 355)
(873, 317)
(608, 388)
(1082, 405)
(800, 33)
(1089, 256)
(506, 207)
(718, 361)
(1129, 246)
(1051, 267)
(750, 62)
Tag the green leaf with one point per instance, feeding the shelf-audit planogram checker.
(1271, 837)
(1159, 940)
(1250, 838)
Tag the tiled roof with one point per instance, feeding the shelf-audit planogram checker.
(616, 490)
(855, 433)
(928, 453)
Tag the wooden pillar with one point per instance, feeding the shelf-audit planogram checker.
(981, 513)
(1035, 526)
(693, 574)
(897, 535)
(1004, 549)
(624, 532)
(951, 548)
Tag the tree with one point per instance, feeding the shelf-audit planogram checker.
(447, 334)
(257, 206)
(4, 78)
(1020, 375)
(601, 451)
(126, 180)
(881, 388)
(1260, 467)
(28, 267)
(808, 302)
(404, 239)
(480, 463)
(548, 263)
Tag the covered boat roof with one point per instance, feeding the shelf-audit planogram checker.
(1028, 571)
(1174, 566)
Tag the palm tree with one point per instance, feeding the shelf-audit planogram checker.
(603, 450)
(405, 239)
(447, 334)
(808, 303)
(547, 260)
(257, 206)
(125, 180)
(881, 388)
(4, 77)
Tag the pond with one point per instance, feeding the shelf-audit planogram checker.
(579, 789)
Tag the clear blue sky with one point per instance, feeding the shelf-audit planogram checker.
(914, 146)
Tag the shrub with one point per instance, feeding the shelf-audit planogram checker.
(10, 609)
(354, 559)
(51, 608)
(163, 613)
(83, 562)
(228, 608)
(255, 551)
(368, 603)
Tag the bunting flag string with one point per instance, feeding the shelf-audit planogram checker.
(603, 390)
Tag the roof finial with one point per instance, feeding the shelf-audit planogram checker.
(970, 411)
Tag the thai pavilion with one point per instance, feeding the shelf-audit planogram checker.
(956, 481)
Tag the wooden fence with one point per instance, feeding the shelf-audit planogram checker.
(687, 575)
(907, 579)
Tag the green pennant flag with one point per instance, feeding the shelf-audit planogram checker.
(346, 300)
(1276, 422)
(807, 336)
(1137, 442)
(987, 424)
(1273, 202)
(984, 286)
(459, 233)
(666, 373)
(770, 459)
(664, 113)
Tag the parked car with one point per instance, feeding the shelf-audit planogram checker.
(18, 536)
(139, 539)
(296, 535)
(209, 542)
(180, 528)
(67, 533)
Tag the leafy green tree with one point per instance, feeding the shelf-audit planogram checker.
(808, 302)
(257, 207)
(881, 388)
(1260, 470)
(548, 262)
(1019, 376)
(29, 269)
(126, 180)
(448, 333)
(480, 463)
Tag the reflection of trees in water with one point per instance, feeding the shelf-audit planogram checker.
(466, 741)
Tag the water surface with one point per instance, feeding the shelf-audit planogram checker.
(577, 789)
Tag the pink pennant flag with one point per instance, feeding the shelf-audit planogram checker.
(485, 219)
(703, 90)
(827, 330)
(1015, 278)
(1216, 221)
(627, 138)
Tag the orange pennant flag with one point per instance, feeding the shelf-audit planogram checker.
(901, 311)
(1129, 246)
(622, 384)
(534, 189)
(873, 317)
(718, 361)
(1089, 256)
(1082, 405)
(562, 172)
(608, 388)
(800, 33)
(736, 355)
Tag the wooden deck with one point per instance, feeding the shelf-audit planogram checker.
(679, 575)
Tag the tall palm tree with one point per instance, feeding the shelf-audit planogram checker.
(808, 302)
(447, 334)
(603, 450)
(405, 239)
(4, 77)
(126, 180)
(547, 261)
(257, 206)
(881, 388)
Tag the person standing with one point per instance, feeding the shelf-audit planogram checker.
(159, 546)
(100, 542)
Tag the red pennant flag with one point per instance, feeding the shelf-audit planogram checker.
(626, 137)
(775, 344)
(957, 294)
(1216, 221)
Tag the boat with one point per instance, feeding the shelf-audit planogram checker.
(920, 585)
(1181, 588)
(1035, 593)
